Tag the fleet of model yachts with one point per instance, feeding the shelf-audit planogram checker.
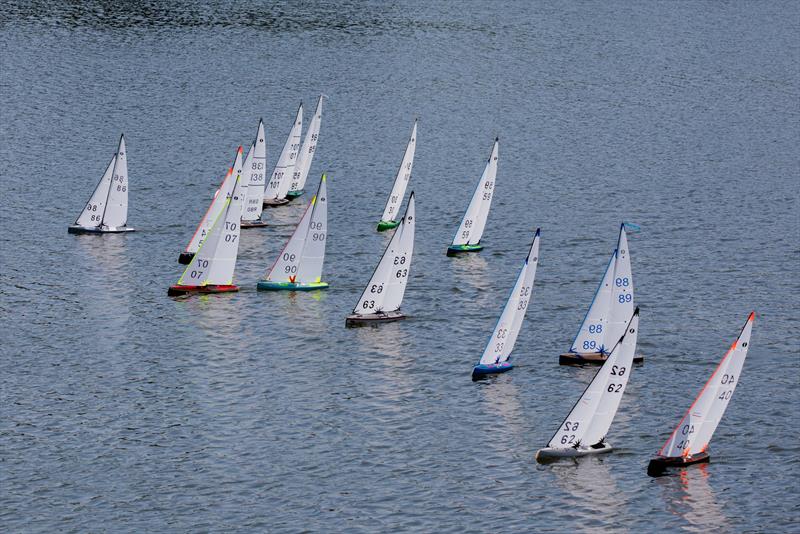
(607, 335)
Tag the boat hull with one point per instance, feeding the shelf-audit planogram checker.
(483, 369)
(387, 225)
(595, 358)
(454, 250)
(291, 195)
(267, 285)
(75, 229)
(186, 258)
(659, 465)
(549, 454)
(253, 224)
(177, 291)
(373, 318)
(274, 202)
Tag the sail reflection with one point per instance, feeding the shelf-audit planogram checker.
(689, 496)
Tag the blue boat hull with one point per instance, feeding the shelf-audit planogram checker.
(491, 369)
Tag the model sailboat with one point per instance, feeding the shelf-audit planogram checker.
(609, 311)
(392, 209)
(689, 441)
(278, 185)
(497, 355)
(253, 173)
(107, 209)
(306, 155)
(584, 430)
(299, 265)
(380, 301)
(211, 269)
(213, 211)
(468, 236)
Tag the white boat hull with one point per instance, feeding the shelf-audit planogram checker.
(550, 454)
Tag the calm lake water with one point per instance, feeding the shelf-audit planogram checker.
(126, 410)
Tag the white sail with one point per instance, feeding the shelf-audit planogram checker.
(217, 205)
(591, 334)
(245, 182)
(92, 214)
(301, 259)
(313, 255)
(612, 305)
(279, 182)
(507, 329)
(254, 174)
(116, 211)
(472, 225)
(215, 261)
(621, 304)
(590, 418)
(306, 155)
(618, 375)
(385, 290)
(694, 431)
(392, 209)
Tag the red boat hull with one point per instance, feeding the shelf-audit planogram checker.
(177, 291)
(660, 464)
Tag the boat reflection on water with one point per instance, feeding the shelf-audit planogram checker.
(597, 500)
(689, 496)
(471, 269)
(501, 401)
(388, 354)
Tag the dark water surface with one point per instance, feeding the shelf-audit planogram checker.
(125, 410)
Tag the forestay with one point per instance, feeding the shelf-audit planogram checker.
(612, 304)
(302, 257)
(472, 225)
(508, 326)
(392, 209)
(385, 290)
(116, 210)
(591, 417)
(217, 205)
(694, 431)
(215, 261)
(306, 155)
(279, 182)
(92, 214)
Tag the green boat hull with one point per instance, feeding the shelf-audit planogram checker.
(266, 285)
(294, 194)
(452, 250)
(387, 225)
